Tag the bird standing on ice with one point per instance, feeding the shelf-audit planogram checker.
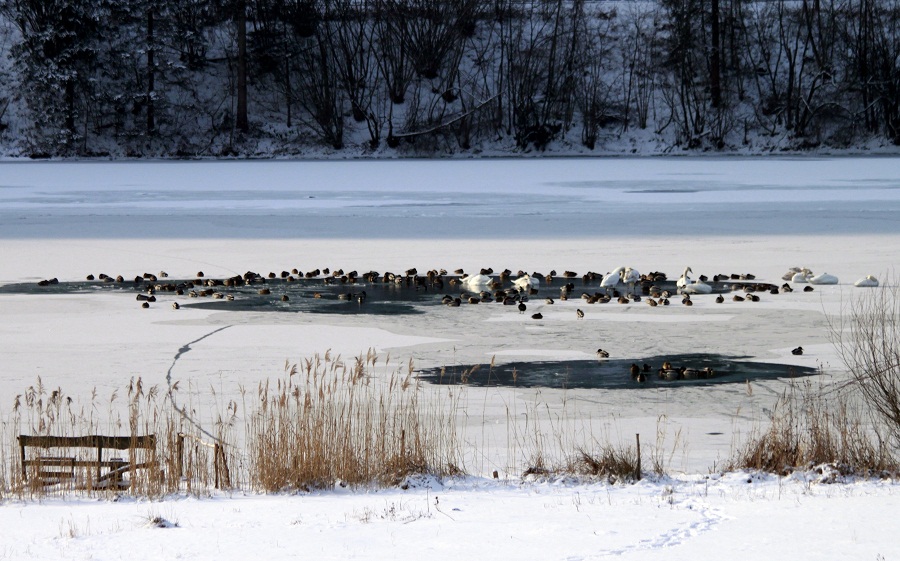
(611, 280)
(630, 277)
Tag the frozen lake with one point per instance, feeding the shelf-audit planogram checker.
(441, 200)
(717, 215)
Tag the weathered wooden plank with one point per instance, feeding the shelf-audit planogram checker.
(90, 441)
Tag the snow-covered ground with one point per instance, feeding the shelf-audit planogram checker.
(716, 215)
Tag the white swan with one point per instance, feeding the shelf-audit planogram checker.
(868, 281)
(687, 286)
(824, 278)
(683, 280)
(526, 283)
(696, 287)
(476, 281)
(802, 276)
(611, 280)
(631, 277)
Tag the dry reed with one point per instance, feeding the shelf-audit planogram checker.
(811, 426)
(329, 421)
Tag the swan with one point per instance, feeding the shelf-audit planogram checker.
(824, 278)
(868, 281)
(526, 283)
(611, 280)
(802, 276)
(630, 277)
(697, 287)
(683, 280)
(476, 281)
(687, 286)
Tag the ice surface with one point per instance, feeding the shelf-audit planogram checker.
(717, 215)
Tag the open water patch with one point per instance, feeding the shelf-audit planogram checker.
(614, 373)
(317, 296)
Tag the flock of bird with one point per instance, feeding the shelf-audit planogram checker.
(625, 284)
(671, 373)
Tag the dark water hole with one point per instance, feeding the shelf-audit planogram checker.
(611, 373)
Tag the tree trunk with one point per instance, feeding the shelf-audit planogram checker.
(715, 72)
(151, 112)
(242, 123)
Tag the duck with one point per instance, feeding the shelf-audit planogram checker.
(537, 316)
(635, 370)
(669, 373)
(824, 278)
(791, 272)
(602, 354)
(867, 281)
(579, 313)
(798, 351)
(522, 307)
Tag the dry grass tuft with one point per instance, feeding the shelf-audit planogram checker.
(810, 427)
(614, 464)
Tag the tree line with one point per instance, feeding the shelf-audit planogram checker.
(229, 77)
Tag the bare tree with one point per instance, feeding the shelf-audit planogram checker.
(639, 52)
(355, 61)
(870, 349)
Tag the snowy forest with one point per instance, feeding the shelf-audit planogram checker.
(188, 78)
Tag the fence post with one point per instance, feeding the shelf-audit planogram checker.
(179, 453)
(22, 455)
(225, 479)
(637, 468)
(216, 464)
